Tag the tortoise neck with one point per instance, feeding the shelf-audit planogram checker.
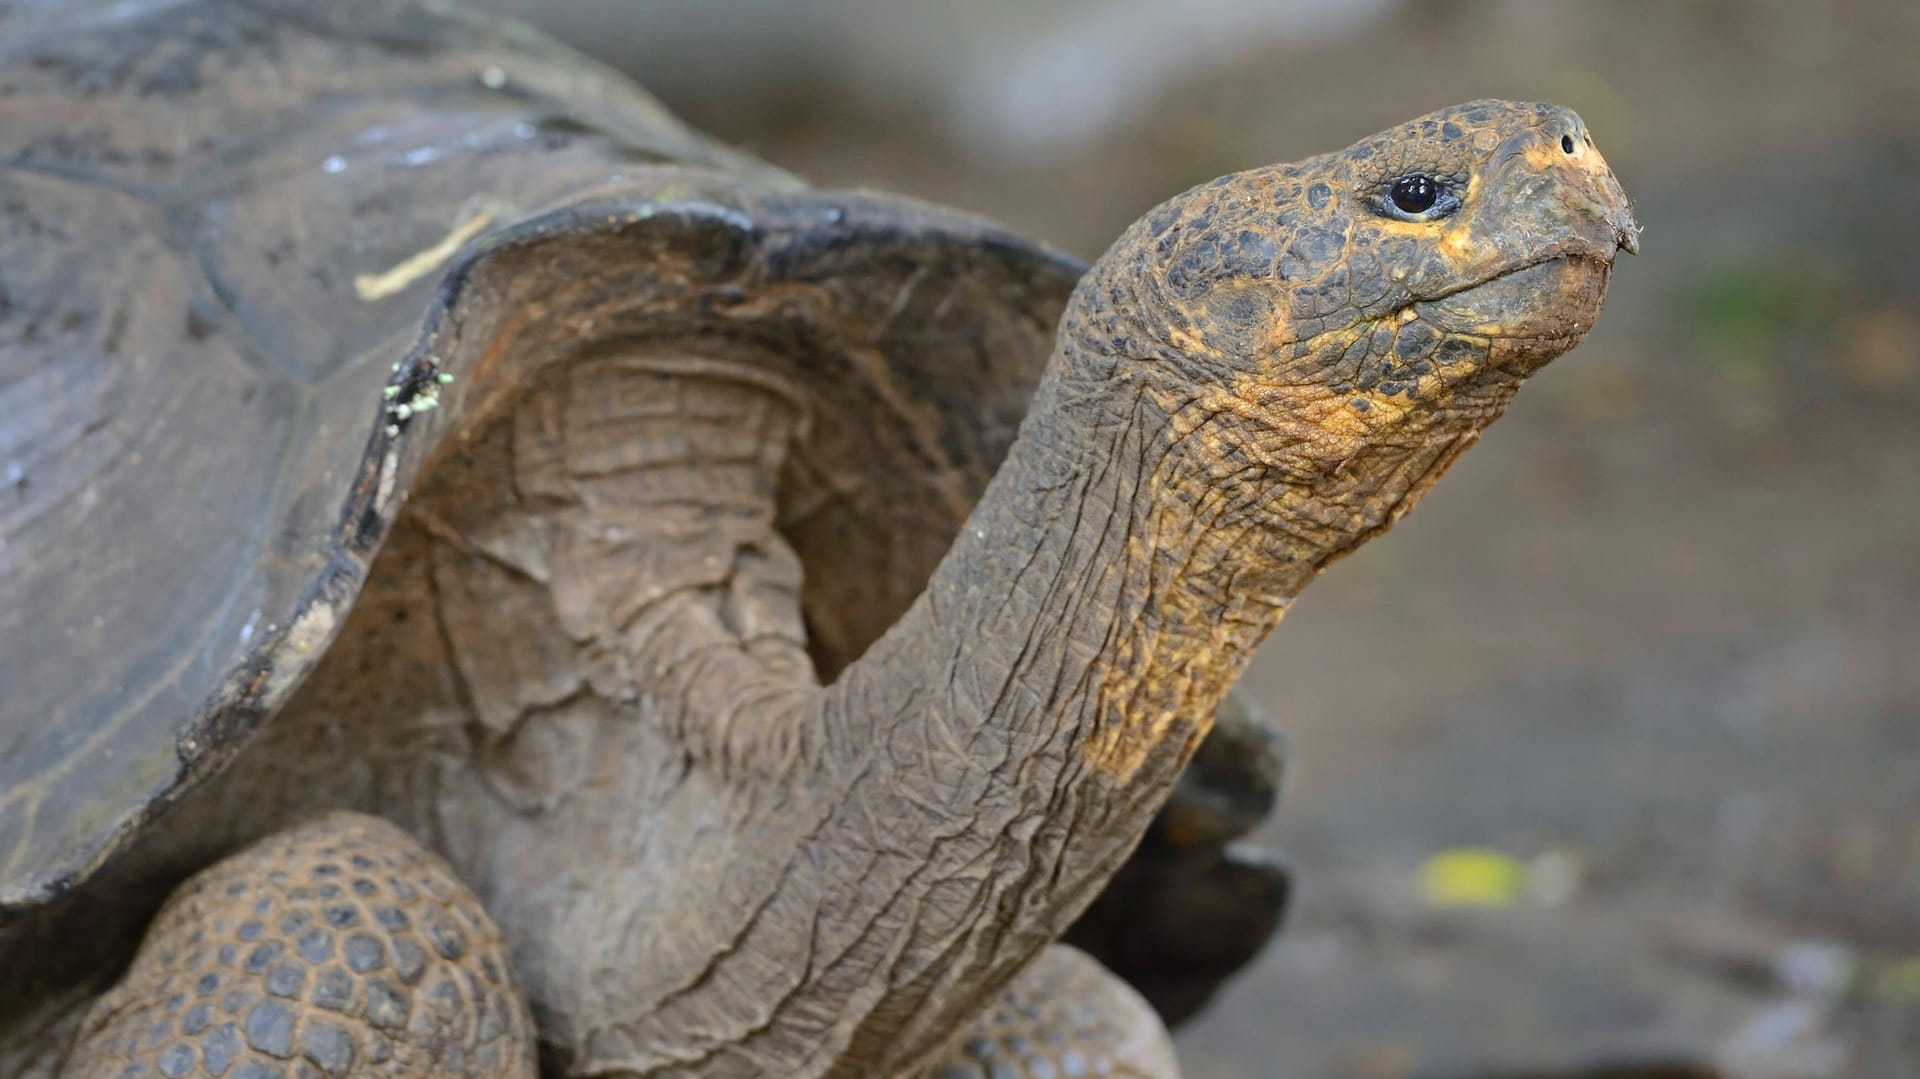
(1100, 600)
(1035, 705)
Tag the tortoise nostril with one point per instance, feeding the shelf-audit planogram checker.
(1566, 144)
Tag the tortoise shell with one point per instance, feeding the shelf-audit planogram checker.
(267, 260)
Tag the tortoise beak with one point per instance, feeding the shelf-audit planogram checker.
(1626, 230)
(1603, 202)
(1610, 202)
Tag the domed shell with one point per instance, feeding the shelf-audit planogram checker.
(264, 258)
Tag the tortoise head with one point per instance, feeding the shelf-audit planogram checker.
(1349, 322)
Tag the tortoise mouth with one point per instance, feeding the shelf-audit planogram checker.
(1557, 298)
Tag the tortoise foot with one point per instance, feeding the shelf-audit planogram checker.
(1064, 1015)
(338, 949)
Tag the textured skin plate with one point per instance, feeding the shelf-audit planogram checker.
(195, 200)
(339, 943)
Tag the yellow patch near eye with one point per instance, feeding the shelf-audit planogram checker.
(1545, 156)
(1392, 226)
(1457, 246)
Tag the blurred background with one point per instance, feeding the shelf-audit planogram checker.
(1607, 761)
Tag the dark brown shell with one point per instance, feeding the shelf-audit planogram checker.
(204, 205)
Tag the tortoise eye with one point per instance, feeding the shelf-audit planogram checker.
(1419, 198)
(1414, 194)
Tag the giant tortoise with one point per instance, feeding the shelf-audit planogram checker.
(494, 582)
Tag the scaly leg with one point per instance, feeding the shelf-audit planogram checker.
(338, 949)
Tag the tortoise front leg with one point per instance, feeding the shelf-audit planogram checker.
(338, 949)
(1064, 1015)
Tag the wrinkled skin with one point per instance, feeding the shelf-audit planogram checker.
(1177, 919)
(1261, 374)
(703, 861)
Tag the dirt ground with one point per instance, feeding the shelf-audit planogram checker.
(1655, 644)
